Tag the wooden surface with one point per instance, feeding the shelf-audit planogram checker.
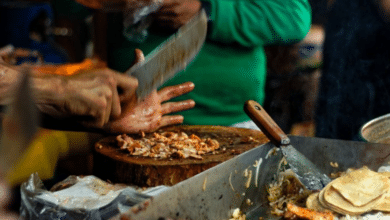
(111, 163)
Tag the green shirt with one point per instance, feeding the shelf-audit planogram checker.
(231, 67)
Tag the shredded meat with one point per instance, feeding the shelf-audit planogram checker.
(168, 145)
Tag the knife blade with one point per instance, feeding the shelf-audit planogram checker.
(19, 125)
(171, 56)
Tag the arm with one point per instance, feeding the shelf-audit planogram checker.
(248, 23)
(100, 100)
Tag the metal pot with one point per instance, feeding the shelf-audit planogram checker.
(377, 130)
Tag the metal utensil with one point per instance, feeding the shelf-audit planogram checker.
(171, 56)
(306, 171)
(20, 124)
(214, 193)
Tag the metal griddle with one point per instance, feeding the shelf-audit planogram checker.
(209, 195)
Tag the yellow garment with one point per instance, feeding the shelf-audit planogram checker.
(43, 154)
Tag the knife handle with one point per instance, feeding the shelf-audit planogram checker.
(267, 125)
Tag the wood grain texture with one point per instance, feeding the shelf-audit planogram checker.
(111, 163)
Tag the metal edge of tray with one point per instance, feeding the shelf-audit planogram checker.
(214, 193)
(210, 194)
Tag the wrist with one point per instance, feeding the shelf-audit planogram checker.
(48, 89)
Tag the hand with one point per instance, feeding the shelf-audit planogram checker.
(151, 114)
(175, 13)
(92, 98)
(116, 5)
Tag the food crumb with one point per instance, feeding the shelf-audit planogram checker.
(204, 184)
(334, 164)
(248, 182)
(237, 215)
(230, 182)
(256, 163)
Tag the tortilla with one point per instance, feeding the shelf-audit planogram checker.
(339, 204)
(384, 206)
(386, 174)
(313, 203)
(361, 186)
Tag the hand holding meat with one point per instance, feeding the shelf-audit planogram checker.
(175, 13)
(152, 113)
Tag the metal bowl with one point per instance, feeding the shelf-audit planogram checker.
(377, 130)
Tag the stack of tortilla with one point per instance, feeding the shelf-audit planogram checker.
(357, 192)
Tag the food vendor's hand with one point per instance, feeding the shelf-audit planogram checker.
(91, 98)
(151, 114)
(116, 5)
(175, 13)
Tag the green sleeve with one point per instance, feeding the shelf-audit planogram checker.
(259, 22)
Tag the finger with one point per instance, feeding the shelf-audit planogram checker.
(108, 102)
(139, 56)
(169, 3)
(115, 105)
(113, 101)
(171, 120)
(99, 113)
(168, 10)
(126, 86)
(170, 92)
(171, 107)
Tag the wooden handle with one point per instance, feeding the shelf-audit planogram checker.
(267, 125)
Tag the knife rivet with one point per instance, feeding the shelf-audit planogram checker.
(257, 107)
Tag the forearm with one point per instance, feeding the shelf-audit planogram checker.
(46, 88)
(8, 80)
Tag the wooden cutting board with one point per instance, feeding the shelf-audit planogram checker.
(117, 166)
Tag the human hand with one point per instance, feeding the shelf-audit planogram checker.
(151, 114)
(175, 13)
(116, 5)
(91, 98)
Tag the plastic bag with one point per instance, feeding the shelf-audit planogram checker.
(79, 198)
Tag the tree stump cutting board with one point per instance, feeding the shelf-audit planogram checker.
(118, 166)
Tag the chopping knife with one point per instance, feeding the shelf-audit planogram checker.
(171, 56)
(306, 171)
(20, 124)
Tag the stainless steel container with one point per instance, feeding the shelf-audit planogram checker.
(377, 130)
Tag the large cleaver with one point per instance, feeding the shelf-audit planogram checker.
(171, 56)
(19, 125)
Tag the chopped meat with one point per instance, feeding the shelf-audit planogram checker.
(168, 145)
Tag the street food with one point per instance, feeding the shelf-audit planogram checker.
(170, 155)
(356, 192)
(168, 144)
(288, 189)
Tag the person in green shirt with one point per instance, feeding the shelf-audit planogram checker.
(231, 66)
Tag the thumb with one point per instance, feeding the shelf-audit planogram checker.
(139, 56)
